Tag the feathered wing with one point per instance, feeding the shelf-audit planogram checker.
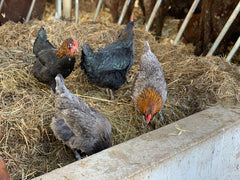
(119, 59)
(91, 130)
(78, 115)
(47, 66)
(114, 61)
(77, 120)
(43, 67)
(41, 72)
(47, 58)
(162, 87)
(62, 65)
(41, 42)
(61, 129)
(87, 59)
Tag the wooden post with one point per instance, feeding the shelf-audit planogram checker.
(67, 7)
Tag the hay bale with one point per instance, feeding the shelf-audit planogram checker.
(27, 106)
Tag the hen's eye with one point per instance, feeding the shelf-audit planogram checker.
(70, 46)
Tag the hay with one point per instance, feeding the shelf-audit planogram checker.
(27, 106)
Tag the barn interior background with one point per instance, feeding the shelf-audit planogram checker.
(195, 83)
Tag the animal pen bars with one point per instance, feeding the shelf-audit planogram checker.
(67, 6)
(183, 26)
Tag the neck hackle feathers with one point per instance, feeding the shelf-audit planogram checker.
(127, 33)
(68, 47)
(149, 103)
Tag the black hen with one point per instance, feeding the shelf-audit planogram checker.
(50, 61)
(108, 67)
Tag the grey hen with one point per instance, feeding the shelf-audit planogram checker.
(76, 124)
(150, 88)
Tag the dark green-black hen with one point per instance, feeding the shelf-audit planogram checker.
(108, 67)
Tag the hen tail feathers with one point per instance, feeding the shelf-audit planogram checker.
(86, 50)
(41, 42)
(42, 34)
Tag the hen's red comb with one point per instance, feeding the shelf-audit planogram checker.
(131, 18)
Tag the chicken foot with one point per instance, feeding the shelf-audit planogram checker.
(110, 93)
(161, 118)
(77, 155)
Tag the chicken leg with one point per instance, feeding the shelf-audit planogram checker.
(77, 155)
(161, 118)
(110, 93)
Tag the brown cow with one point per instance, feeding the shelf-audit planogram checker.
(17, 11)
(214, 15)
(4, 175)
(176, 8)
(192, 33)
(116, 7)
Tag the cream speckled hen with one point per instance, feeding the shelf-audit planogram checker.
(79, 126)
(150, 88)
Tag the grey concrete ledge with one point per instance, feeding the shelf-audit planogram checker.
(209, 149)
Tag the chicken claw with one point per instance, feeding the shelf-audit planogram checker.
(161, 118)
(77, 155)
(110, 93)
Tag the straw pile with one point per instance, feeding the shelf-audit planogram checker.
(27, 106)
